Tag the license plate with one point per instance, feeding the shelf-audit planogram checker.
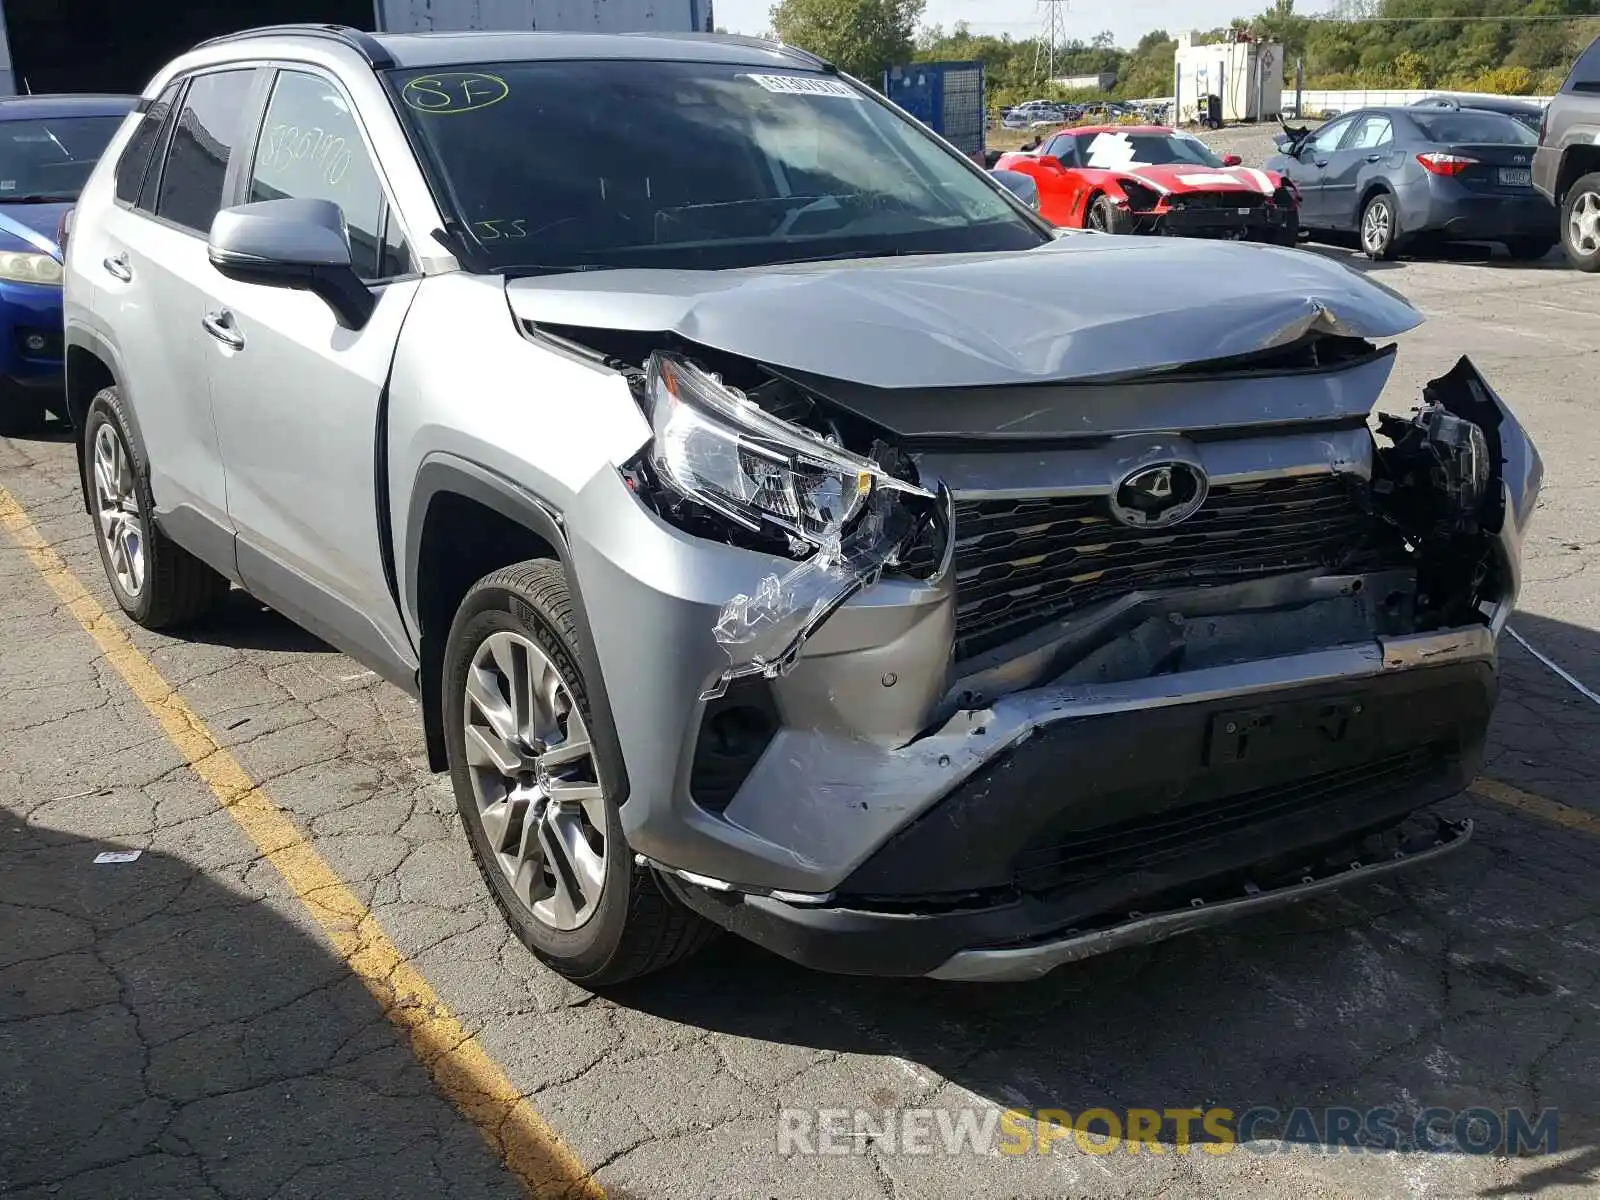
(1244, 212)
(1516, 176)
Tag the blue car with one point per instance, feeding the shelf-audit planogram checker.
(1412, 175)
(48, 146)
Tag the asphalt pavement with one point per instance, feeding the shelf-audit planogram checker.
(300, 988)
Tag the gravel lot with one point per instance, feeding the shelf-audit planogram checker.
(177, 1026)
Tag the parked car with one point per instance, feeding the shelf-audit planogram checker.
(1566, 166)
(1529, 112)
(1152, 179)
(1399, 176)
(777, 539)
(48, 145)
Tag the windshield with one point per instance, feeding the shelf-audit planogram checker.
(580, 164)
(50, 158)
(1114, 151)
(1475, 129)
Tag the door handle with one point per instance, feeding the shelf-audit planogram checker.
(1374, 158)
(117, 267)
(220, 326)
(1322, 162)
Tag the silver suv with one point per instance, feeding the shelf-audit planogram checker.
(783, 528)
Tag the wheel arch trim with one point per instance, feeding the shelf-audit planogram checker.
(442, 473)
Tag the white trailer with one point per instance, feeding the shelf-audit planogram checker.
(81, 45)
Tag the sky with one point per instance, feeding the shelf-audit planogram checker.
(1022, 18)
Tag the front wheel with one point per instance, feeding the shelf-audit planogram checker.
(539, 810)
(1105, 216)
(1380, 228)
(1580, 223)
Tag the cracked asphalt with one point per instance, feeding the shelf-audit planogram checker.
(180, 1026)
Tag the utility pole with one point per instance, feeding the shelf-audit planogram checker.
(1055, 29)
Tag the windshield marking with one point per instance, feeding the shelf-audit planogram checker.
(1109, 151)
(804, 85)
(454, 92)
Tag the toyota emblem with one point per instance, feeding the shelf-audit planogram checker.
(1160, 495)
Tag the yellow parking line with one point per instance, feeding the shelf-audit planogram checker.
(460, 1067)
(1538, 806)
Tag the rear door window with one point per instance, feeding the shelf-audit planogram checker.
(142, 148)
(209, 126)
(1370, 133)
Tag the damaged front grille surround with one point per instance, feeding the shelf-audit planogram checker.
(843, 516)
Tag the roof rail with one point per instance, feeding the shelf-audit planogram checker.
(755, 43)
(378, 58)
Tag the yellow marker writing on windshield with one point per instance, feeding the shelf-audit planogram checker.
(452, 92)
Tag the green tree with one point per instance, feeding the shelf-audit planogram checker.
(861, 37)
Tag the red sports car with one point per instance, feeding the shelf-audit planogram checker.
(1150, 179)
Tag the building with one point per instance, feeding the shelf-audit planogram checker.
(118, 45)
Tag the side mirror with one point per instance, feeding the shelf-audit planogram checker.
(1231, 160)
(295, 244)
(1019, 185)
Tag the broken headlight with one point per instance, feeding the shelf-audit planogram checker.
(714, 446)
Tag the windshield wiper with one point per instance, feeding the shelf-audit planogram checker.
(849, 254)
(528, 269)
(36, 198)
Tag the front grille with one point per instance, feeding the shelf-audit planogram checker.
(1145, 842)
(1021, 564)
(1210, 200)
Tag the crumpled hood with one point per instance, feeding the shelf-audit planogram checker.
(1170, 177)
(1085, 306)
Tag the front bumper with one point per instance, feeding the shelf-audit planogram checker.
(1249, 223)
(31, 336)
(1054, 842)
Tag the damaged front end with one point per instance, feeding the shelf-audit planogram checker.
(1048, 668)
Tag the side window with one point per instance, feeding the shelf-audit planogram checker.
(1328, 137)
(1065, 148)
(311, 149)
(134, 164)
(209, 126)
(1585, 74)
(396, 254)
(1371, 133)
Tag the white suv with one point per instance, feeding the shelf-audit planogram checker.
(782, 527)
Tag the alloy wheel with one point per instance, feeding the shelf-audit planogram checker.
(534, 779)
(1583, 224)
(1375, 227)
(117, 503)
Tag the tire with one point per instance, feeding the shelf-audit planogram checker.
(1379, 231)
(157, 582)
(597, 933)
(1529, 249)
(1107, 217)
(1580, 223)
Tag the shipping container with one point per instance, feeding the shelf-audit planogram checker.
(947, 97)
(117, 45)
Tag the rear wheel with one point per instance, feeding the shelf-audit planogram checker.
(1529, 249)
(1580, 223)
(545, 829)
(156, 581)
(1105, 216)
(1380, 228)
